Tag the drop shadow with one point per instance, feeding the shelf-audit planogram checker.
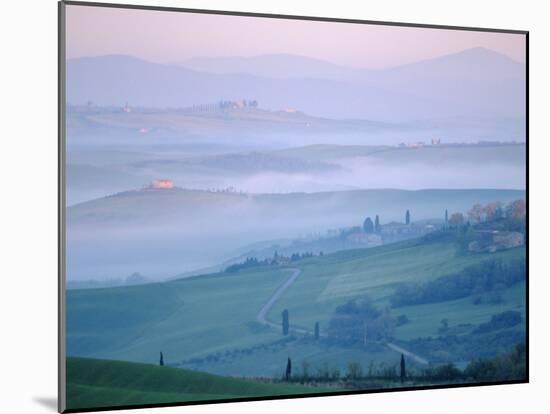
(47, 402)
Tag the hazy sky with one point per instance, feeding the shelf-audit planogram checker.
(166, 37)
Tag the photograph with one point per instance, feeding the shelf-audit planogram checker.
(261, 207)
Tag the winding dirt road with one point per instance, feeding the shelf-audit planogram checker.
(403, 351)
(262, 317)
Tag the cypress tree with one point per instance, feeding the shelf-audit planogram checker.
(407, 217)
(288, 371)
(446, 218)
(402, 373)
(368, 226)
(161, 362)
(285, 322)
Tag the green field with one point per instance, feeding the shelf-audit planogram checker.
(425, 319)
(185, 318)
(209, 322)
(93, 383)
(328, 281)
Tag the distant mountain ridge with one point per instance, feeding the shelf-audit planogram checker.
(466, 83)
(271, 65)
(475, 63)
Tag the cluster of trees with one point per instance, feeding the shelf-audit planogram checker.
(238, 104)
(500, 321)
(252, 262)
(372, 227)
(465, 346)
(513, 213)
(509, 366)
(359, 321)
(506, 367)
(490, 276)
(496, 210)
(299, 256)
(456, 220)
(402, 320)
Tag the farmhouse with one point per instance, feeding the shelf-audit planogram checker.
(161, 184)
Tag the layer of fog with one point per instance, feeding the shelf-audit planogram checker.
(353, 173)
(162, 240)
(364, 173)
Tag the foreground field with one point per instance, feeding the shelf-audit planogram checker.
(96, 383)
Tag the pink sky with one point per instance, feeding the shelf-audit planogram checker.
(165, 37)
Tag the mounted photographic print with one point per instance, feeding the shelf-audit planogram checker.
(261, 206)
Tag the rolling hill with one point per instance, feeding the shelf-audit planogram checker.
(156, 205)
(309, 168)
(179, 318)
(512, 154)
(93, 383)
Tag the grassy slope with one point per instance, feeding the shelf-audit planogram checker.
(196, 317)
(512, 155)
(329, 281)
(425, 319)
(101, 383)
(184, 318)
(204, 123)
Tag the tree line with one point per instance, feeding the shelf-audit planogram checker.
(476, 280)
(508, 366)
(277, 259)
(353, 372)
(515, 211)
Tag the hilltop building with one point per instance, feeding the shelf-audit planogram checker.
(161, 184)
(223, 105)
